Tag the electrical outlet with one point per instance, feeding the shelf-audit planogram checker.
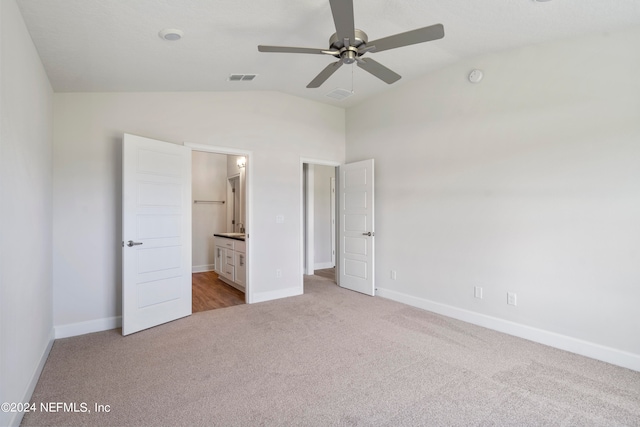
(477, 291)
(512, 298)
(278, 273)
(393, 275)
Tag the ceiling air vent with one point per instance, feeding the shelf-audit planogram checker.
(241, 77)
(339, 94)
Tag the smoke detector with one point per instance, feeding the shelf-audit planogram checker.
(171, 34)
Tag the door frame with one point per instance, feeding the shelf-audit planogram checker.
(248, 292)
(306, 245)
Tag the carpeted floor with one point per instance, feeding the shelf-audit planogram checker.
(328, 357)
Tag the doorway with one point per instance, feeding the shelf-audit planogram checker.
(319, 219)
(354, 225)
(220, 205)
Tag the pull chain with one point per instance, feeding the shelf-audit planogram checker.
(352, 66)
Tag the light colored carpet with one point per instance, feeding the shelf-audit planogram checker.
(329, 357)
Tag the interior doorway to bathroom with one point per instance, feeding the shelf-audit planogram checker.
(219, 192)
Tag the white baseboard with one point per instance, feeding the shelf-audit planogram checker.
(323, 265)
(203, 268)
(552, 339)
(81, 328)
(271, 295)
(16, 419)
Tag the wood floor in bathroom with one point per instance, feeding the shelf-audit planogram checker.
(209, 292)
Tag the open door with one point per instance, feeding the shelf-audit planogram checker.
(356, 235)
(156, 233)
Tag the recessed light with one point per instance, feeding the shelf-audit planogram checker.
(171, 34)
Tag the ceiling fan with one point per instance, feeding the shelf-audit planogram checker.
(349, 44)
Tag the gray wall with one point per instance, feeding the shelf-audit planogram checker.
(87, 179)
(26, 322)
(527, 182)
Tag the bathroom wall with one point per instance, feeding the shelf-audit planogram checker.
(209, 183)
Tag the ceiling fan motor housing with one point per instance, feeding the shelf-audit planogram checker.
(349, 49)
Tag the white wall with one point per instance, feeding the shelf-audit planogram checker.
(278, 129)
(322, 215)
(208, 182)
(527, 182)
(26, 322)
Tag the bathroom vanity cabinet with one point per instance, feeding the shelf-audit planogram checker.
(231, 259)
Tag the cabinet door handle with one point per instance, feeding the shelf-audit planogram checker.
(241, 260)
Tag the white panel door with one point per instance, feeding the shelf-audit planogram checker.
(156, 233)
(356, 235)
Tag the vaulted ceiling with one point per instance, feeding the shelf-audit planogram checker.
(113, 45)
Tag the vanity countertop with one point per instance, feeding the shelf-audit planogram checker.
(235, 236)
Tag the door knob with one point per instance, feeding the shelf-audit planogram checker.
(131, 243)
(368, 234)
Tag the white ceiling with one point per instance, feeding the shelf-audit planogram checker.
(113, 45)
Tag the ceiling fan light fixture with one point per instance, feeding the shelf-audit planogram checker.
(348, 44)
(171, 34)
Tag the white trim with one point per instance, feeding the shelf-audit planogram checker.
(203, 268)
(248, 176)
(319, 162)
(333, 219)
(552, 339)
(88, 327)
(280, 293)
(310, 237)
(16, 417)
(218, 150)
(322, 265)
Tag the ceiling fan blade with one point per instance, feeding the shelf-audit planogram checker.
(342, 11)
(378, 70)
(421, 35)
(324, 75)
(288, 49)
